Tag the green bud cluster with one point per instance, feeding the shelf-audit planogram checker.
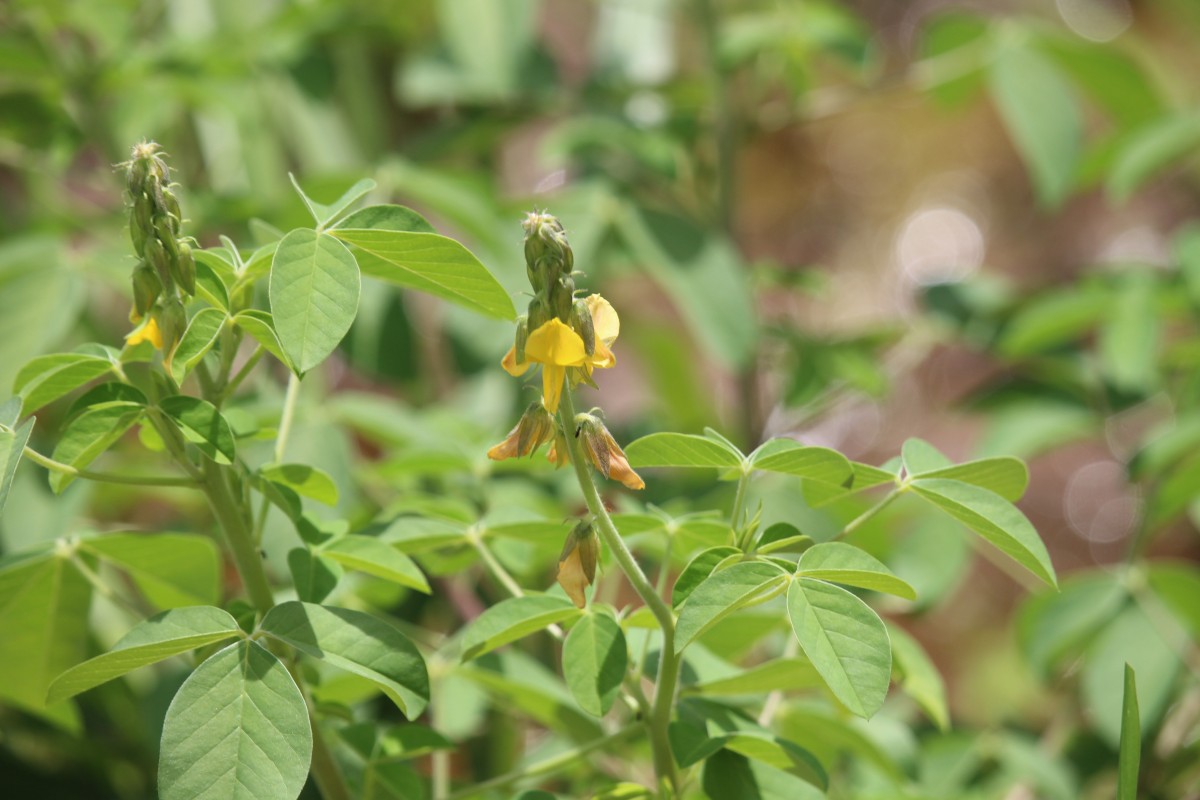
(550, 267)
(166, 267)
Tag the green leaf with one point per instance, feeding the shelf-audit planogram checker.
(358, 643)
(843, 563)
(1150, 647)
(811, 463)
(313, 575)
(1054, 318)
(47, 378)
(44, 604)
(198, 339)
(1129, 338)
(698, 569)
(721, 594)
(864, 477)
(1150, 150)
(920, 456)
(324, 214)
(210, 286)
(162, 636)
(1006, 476)
(261, 326)
(846, 642)
(430, 263)
(993, 518)
(170, 569)
(728, 775)
(780, 674)
(108, 392)
(89, 435)
(681, 450)
(514, 619)
(1177, 585)
(1131, 740)
(594, 661)
(368, 554)
(303, 480)
(202, 425)
(12, 446)
(1053, 625)
(1042, 116)
(238, 729)
(518, 683)
(920, 679)
(387, 217)
(314, 296)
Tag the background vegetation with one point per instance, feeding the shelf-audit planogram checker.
(848, 223)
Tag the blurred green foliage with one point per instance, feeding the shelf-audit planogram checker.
(842, 222)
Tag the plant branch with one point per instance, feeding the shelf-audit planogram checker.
(546, 767)
(285, 419)
(862, 518)
(105, 477)
(668, 662)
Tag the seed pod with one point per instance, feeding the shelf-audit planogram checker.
(146, 288)
(186, 269)
(581, 323)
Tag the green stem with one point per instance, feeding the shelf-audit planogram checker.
(547, 766)
(240, 376)
(118, 599)
(739, 508)
(495, 567)
(239, 536)
(668, 662)
(104, 477)
(858, 521)
(285, 419)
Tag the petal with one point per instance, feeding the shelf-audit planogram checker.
(619, 470)
(508, 448)
(603, 357)
(555, 343)
(509, 362)
(149, 332)
(552, 386)
(571, 578)
(604, 319)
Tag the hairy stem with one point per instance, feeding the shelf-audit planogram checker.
(668, 662)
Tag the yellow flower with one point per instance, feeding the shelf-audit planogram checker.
(147, 332)
(605, 454)
(557, 348)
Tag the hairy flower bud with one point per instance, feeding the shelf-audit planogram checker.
(603, 451)
(539, 313)
(521, 337)
(186, 269)
(548, 254)
(536, 427)
(577, 563)
(562, 297)
(156, 254)
(172, 320)
(147, 286)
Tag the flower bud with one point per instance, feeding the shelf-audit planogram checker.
(522, 336)
(147, 286)
(581, 323)
(535, 428)
(172, 320)
(559, 453)
(171, 206)
(156, 255)
(562, 297)
(605, 454)
(186, 269)
(577, 563)
(539, 313)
